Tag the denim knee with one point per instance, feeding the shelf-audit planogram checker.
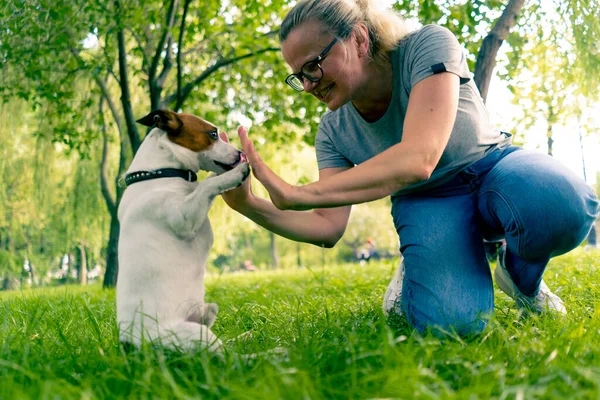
(463, 325)
(462, 318)
(543, 208)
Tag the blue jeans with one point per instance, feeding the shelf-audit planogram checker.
(540, 207)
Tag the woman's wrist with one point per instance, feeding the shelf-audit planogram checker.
(247, 206)
(295, 198)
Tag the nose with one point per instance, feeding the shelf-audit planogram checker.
(309, 86)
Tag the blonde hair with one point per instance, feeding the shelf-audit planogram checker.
(339, 17)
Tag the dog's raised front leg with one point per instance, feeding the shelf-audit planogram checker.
(191, 214)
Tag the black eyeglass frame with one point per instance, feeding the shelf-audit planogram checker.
(301, 75)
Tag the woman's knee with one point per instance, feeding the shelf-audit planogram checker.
(444, 324)
(544, 211)
(462, 316)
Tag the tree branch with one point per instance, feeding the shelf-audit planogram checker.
(167, 65)
(132, 131)
(107, 58)
(145, 57)
(161, 43)
(187, 89)
(180, 47)
(111, 104)
(104, 187)
(228, 29)
(486, 59)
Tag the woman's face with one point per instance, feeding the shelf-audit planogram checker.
(341, 66)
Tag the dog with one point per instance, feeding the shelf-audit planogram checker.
(165, 233)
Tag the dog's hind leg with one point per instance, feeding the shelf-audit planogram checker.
(185, 335)
(204, 314)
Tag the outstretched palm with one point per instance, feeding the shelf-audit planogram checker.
(279, 190)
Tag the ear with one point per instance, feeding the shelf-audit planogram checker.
(166, 120)
(361, 33)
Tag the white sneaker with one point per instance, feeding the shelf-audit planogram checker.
(393, 295)
(545, 299)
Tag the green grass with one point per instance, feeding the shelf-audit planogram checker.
(62, 343)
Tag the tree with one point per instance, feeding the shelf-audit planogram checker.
(92, 66)
(49, 200)
(140, 47)
(486, 58)
(547, 80)
(468, 20)
(542, 82)
(465, 20)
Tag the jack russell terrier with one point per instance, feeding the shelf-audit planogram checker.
(165, 233)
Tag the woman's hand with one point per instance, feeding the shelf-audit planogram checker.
(283, 195)
(241, 196)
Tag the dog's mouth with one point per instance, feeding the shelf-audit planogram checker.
(228, 167)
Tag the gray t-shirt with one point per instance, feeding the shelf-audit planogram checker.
(345, 139)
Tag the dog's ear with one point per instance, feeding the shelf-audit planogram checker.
(166, 120)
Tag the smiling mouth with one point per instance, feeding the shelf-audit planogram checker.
(324, 92)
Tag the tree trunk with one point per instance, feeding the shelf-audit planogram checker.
(134, 137)
(581, 145)
(112, 258)
(31, 273)
(274, 256)
(9, 282)
(550, 140)
(69, 265)
(486, 59)
(112, 254)
(82, 270)
(112, 203)
(156, 81)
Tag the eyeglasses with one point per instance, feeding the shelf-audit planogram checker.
(311, 70)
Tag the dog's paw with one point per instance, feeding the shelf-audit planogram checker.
(240, 173)
(209, 314)
(232, 179)
(244, 169)
(204, 314)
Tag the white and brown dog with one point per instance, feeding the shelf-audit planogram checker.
(165, 233)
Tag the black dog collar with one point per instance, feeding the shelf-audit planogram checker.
(140, 176)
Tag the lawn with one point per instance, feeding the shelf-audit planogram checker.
(62, 343)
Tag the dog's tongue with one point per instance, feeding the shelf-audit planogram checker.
(243, 158)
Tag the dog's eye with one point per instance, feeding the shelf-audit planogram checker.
(214, 135)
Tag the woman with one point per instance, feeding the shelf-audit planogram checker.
(405, 119)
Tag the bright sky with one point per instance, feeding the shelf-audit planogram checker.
(567, 146)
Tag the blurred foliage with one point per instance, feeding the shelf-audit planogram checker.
(553, 76)
(46, 48)
(54, 55)
(51, 199)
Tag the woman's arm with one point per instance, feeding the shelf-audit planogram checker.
(429, 120)
(321, 227)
